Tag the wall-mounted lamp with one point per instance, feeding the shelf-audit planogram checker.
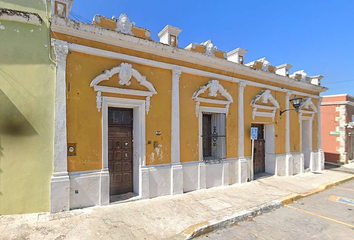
(296, 104)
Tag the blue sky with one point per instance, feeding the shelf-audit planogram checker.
(315, 36)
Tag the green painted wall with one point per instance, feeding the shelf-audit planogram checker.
(26, 112)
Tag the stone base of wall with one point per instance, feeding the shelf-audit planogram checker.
(91, 188)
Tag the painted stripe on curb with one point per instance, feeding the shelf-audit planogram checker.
(294, 197)
(215, 224)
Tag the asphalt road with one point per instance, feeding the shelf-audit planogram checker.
(326, 215)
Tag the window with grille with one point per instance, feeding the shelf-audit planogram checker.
(214, 136)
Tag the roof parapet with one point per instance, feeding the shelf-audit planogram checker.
(237, 55)
(169, 35)
(62, 7)
(262, 64)
(208, 48)
(283, 69)
(316, 80)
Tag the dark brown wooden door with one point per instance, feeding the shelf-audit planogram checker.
(206, 135)
(259, 150)
(120, 148)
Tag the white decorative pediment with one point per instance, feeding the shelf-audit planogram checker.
(265, 97)
(301, 75)
(124, 25)
(308, 104)
(125, 73)
(214, 88)
(265, 64)
(209, 48)
(307, 107)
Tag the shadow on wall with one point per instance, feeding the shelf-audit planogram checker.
(12, 122)
(1, 155)
(332, 157)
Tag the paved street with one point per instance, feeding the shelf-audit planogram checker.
(326, 215)
(164, 217)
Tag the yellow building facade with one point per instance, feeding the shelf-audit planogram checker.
(151, 118)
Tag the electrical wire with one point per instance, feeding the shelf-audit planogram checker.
(79, 18)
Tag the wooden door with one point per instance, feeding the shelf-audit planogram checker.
(206, 135)
(259, 150)
(120, 150)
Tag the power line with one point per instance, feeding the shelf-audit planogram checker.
(79, 18)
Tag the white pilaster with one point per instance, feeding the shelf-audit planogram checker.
(175, 141)
(288, 158)
(60, 183)
(241, 135)
(321, 159)
(176, 169)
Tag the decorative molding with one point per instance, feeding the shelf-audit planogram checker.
(60, 182)
(214, 87)
(95, 33)
(175, 121)
(287, 126)
(61, 6)
(200, 123)
(139, 125)
(113, 55)
(20, 16)
(125, 73)
(300, 75)
(241, 132)
(61, 50)
(266, 97)
(307, 104)
(265, 64)
(124, 25)
(209, 48)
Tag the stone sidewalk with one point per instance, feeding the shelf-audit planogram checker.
(161, 217)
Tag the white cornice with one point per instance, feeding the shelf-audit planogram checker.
(95, 33)
(19, 16)
(241, 51)
(338, 103)
(124, 57)
(171, 29)
(338, 95)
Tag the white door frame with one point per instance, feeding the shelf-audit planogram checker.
(269, 144)
(208, 110)
(139, 158)
(310, 119)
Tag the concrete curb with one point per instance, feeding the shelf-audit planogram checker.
(215, 224)
(294, 197)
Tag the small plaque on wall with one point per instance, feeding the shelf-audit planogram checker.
(71, 149)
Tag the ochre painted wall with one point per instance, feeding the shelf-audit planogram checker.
(26, 112)
(190, 122)
(84, 120)
(83, 68)
(279, 122)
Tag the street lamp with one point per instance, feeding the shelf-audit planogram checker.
(296, 101)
